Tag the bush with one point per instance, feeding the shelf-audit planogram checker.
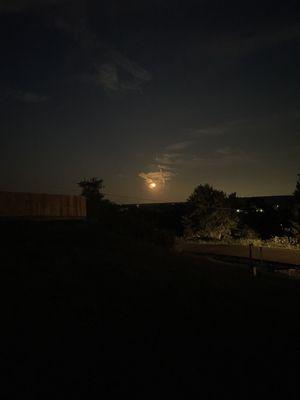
(246, 242)
(283, 241)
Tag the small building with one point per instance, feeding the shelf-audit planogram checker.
(41, 206)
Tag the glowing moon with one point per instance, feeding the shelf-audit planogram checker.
(152, 185)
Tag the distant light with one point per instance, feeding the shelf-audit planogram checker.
(238, 210)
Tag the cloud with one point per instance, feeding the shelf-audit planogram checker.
(210, 131)
(223, 151)
(107, 77)
(182, 156)
(169, 158)
(165, 167)
(121, 175)
(219, 157)
(115, 77)
(159, 177)
(110, 69)
(130, 66)
(220, 129)
(179, 145)
(169, 161)
(216, 130)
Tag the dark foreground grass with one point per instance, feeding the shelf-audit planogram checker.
(88, 312)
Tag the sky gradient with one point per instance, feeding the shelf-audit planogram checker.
(177, 92)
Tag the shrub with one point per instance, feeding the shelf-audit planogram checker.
(286, 242)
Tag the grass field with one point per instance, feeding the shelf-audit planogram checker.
(87, 311)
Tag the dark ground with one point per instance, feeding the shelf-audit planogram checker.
(87, 312)
(276, 255)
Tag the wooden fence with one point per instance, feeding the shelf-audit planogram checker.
(33, 205)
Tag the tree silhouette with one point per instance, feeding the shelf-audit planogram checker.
(91, 189)
(297, 190)
(296, 211)
(209, 214)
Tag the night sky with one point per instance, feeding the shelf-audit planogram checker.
(177, 93)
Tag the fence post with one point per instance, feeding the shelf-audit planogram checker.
(252, 267)
(261, 254)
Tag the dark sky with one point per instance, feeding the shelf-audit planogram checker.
(173, 92)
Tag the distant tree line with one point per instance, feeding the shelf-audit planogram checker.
(209, 214)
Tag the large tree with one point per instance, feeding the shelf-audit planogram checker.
(209, 214)
(297, 191)
(92, 189)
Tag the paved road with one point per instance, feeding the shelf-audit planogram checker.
(282, 256)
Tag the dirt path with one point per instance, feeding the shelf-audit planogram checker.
(282, 256)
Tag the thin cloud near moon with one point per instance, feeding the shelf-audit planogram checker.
(152, 179)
